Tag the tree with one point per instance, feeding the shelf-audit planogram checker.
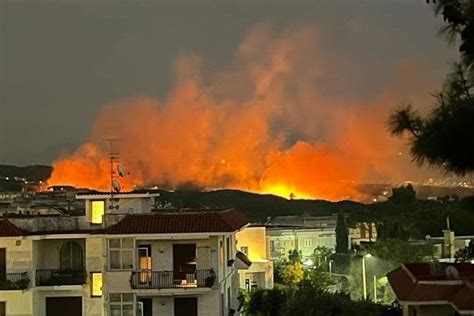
(266, 302)
(401, 251)
(443, 138)
(295, 256)
(342, 238)
(465, 254)
(403, 195)
(292, 274)
(321, 255)
(459, 18)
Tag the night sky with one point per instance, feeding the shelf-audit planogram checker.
(60, 61)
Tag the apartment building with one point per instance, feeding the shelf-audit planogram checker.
(120, 258)
(252, 241)
(283, 239)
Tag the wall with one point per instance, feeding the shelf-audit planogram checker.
(285, 240)
(40, 295)
(255, 239)
(19, 253)
(18, 303)
(434, 310)
(48, 252)
(261, 269)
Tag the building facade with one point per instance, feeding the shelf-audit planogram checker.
(283, 239)
(252, 241)
(120, 259)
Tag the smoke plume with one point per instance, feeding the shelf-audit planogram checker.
(283, 117)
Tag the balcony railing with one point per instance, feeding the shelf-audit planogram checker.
(14, 281)
(147, 279)
(60, 277)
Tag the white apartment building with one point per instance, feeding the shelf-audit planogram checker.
(120, 258)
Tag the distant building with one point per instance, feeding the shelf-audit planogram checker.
(252, 241)
(120, 258)
(283, 239)
(363, 233)
(434, 289)
(305, 233)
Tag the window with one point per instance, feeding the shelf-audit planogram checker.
(308, 243)
(121, 254)
(245, 250)
(3, 309)
(272, 245)
(71, 256)
(97, 212)
(96, 284)
(121, 304)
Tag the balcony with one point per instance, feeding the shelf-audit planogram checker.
(14, 281)
(147, 279)
(52, 277)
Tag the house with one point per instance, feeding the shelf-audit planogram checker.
(434, 289)
(317, 230)
(252, 241)
(120, 258)
(283, 239)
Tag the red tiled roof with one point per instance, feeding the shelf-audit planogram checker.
(422, 271)
(7, 229)
(439, 288)
(187, 222)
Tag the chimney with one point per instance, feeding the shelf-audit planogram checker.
(448, 241)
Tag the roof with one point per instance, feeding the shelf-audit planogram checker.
(416, 283)
(423, 271)
(186, 222)
(92, 194)
(7, 229)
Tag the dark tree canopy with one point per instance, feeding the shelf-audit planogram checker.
(444, 137)
(342, 239)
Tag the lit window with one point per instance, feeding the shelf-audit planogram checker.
(121, 304)
(121, 254)
(98, 209)
(96, 284)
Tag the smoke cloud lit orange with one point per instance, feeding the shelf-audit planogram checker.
(269, 122)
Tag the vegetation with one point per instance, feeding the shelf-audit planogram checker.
(342, 239)
(465, 254)
(444, 137)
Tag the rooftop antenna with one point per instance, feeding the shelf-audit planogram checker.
(116, 171)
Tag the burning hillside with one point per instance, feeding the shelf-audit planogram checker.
(281, 119)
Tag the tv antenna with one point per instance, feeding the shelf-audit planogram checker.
(116, 171)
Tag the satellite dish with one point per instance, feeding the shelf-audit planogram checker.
(452, 273)
(116, 186)
(120, 171)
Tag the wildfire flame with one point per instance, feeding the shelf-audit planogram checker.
(274, 121)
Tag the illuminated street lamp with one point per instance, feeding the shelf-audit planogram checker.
(364, 282)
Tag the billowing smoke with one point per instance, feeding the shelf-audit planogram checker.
(283, 117)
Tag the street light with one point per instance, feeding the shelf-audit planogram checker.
(364, 283)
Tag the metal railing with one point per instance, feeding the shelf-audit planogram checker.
(47, 277)
(148, 279)
(14, 281)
